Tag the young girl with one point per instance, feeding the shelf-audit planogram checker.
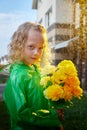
(23, 95)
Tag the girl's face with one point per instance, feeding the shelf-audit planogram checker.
(33, 49)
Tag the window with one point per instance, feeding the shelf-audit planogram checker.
(48, 17)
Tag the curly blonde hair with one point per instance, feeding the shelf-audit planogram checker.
(19, 39)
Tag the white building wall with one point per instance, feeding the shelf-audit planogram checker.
(41, 11)
(64, 11)
(62, 21)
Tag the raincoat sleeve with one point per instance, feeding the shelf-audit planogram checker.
(16, 100)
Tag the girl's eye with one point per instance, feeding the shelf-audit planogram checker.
(41, 48)
(31, 47)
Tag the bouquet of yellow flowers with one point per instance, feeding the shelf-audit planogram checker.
(61, 82)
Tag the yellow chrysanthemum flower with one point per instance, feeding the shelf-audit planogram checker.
(54, 92)
(67, 67)
(76, 91)
(67, 93)
(65, 82)
(57, 77)
(72, 81)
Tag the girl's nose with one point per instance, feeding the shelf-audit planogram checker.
(36, 52)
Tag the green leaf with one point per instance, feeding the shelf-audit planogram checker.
(49, 83)
(62, 84)
(60, 103)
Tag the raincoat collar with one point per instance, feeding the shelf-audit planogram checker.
(22, 64)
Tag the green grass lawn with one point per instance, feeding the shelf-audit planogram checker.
(76, 115)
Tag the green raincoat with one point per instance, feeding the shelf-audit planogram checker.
(27, 106)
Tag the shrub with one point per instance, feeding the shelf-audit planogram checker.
(75, 117)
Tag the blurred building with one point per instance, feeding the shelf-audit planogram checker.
(66, 22)
(58, 16)
(3, 60)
